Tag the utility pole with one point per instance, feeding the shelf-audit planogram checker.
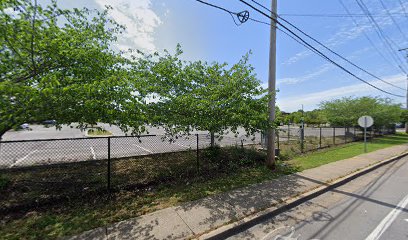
(406, 106)
(270, 161)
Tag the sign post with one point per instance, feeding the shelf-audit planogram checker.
(365, 122)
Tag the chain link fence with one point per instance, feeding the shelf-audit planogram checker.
(294, 140)
(40, 172)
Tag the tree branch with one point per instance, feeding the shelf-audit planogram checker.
(33, 36)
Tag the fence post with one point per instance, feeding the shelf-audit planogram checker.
(320, 138)
(198, 159)
(277, 136)
(345, 135)
(354, 134)
(109, 165)
(334, 135)
(288, 132)
(302, 138)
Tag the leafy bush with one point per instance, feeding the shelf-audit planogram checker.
(229, 158)
(3, 182)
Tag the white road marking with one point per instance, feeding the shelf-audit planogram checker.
(22, 159)
(147, 150)
(387, 221)
(93, 153)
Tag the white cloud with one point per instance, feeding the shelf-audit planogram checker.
(295, 80)
(140, 21)
(311, 100)
(298, 56)
(348, 32)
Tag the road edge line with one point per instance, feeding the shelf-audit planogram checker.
(249, 221)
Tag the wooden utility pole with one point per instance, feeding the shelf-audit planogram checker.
(270, 161)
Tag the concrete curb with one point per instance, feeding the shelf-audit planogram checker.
(291, 202)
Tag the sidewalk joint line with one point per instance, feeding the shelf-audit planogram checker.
(184, 222)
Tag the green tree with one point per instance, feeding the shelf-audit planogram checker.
(346, 111)
(58, 64)
(211, 97)
(315, 117)
(295, 117)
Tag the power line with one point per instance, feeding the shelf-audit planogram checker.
(366, 35)
(338, 55)
(233, 13)
(393, 20)
(309, 46)
(348, 13)
(381, 34)
(337, 15)
(332, 51)
(242, 16)
(316, 50)
(403, 8)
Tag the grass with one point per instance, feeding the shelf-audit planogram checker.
(75, 217)
(99, 132)
(315, 159)
(221, 170)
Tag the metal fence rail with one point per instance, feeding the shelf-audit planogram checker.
(66, 168)
(308, 139)
(28, 153)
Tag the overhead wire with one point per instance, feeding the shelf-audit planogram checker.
(393, 20)
(310, 47)
(231, 13)
(366, 35)
(316, 50)
(387, 42)
(403, 8)
(336, 15)
(330, 50)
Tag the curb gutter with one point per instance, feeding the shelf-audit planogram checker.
(289, 203)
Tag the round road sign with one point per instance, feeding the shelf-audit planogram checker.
(365, 121)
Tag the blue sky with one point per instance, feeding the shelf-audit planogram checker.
(302, 77)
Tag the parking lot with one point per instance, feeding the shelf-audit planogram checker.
(22, 153)
(41, 145)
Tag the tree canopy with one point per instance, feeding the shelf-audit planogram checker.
(346, 111)
(58, 64)
(205, 96)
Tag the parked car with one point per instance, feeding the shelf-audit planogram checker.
(25, 126)
(50, 122)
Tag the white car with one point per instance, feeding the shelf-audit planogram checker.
(25, 126)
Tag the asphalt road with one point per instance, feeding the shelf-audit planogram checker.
(371, 207)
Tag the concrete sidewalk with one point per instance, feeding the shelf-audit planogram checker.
(193, 219)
